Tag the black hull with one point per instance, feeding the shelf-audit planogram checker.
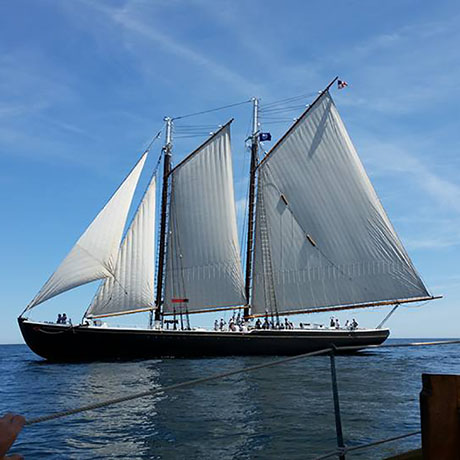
(83, 343)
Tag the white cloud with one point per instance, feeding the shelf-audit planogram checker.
(433, 206)
(129, 18)
(404, 70)
(389, 159)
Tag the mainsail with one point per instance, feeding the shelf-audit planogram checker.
(95, 253)
(203, 268)
(132, 286)
(322, 236)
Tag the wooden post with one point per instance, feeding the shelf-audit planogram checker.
(440, 417)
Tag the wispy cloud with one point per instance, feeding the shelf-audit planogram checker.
(399, 77)
(433, 194)
(66, 126)
(390, 159)
(15, 109)
(129, 19)
(447, 283)
(30, 85)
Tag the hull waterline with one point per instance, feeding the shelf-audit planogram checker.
(67, 343)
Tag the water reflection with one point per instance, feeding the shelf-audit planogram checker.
(280, 412)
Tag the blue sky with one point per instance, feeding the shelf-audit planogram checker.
(84, 86)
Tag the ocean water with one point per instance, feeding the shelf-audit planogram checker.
(284, 412)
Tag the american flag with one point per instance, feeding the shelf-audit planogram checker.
(341, 84)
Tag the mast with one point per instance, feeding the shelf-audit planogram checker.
(167, 149)
(251, 202)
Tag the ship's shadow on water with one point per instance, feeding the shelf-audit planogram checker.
(285, 411)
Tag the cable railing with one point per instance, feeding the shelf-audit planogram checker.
(342, 448)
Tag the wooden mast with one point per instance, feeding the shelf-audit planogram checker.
(167, 150)
(251, 203)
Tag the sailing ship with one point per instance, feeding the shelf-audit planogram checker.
(318, 239)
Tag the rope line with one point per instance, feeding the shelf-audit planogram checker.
(289, 100)
(211, 110)
(190, 383)
(204, 134)
(153, 140)
(346, 449)
(288, 108)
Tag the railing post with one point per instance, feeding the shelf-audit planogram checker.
(335, 393)
(439, 413)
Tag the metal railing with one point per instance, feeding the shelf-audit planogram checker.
(342, 448)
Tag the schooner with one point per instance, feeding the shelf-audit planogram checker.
(318, 239)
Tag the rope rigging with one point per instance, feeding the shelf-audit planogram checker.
(288, 100)
(153, 140)
(346, 449)
(193, 131)
(211, 110)
(284, 109)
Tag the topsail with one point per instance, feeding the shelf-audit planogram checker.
(203, 268)
(95, 253)
(322, 236)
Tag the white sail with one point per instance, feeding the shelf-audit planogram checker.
(322, 235)
(132, 286)
(95, 253)
(203, 256)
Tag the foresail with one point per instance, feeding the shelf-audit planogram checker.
(203, 269)
(322, 235)
(132, 286)
(95, 253)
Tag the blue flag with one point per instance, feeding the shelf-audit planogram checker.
(265, 137)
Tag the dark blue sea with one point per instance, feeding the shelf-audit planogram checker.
(285, 412)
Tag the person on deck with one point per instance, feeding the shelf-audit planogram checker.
(354, 324)
(216, 325)
(59, 319)
(337, 324)
(258, 323)
(222, 324)
(332, 323)
(10, 427)
(64, 318)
